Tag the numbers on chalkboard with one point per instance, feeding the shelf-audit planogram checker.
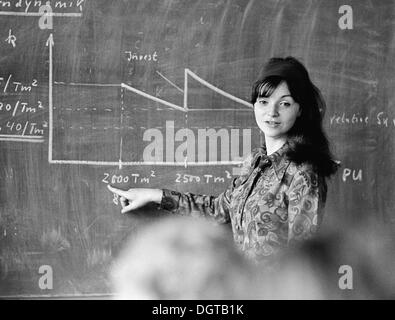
(5, 107)
(14, 126)
(106, 175)
(186, 178)
(115, 179)
(129, 178)
(27, 127)
(115, 199)
(205, 178)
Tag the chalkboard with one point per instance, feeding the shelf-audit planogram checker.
(125, 92)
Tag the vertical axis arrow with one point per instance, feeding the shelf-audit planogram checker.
(50, 43)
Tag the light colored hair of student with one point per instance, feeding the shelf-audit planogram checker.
(181, 258)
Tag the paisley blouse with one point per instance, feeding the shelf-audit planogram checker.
(272, 204)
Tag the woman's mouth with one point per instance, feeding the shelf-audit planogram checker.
(272, 123)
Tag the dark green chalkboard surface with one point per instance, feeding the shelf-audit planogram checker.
(126, 92)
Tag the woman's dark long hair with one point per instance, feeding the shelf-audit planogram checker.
(307, 139)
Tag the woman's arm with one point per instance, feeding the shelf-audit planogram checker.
(307, 194)
(199, 205)
(216, 207)
(177, 202)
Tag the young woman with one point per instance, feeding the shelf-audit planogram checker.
(279, 198)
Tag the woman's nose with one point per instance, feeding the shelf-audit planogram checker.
(272, 110)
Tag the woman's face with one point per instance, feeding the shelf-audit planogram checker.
(276, 114)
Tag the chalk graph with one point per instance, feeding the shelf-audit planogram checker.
(125, 89)
(182, 109)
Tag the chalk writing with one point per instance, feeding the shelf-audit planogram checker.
(8, 85)
(30, 128)
(14, 125)
(203, 178)
(128, 178)
(133, 56)
(380, 119)
(11, 39)
(355, 118)
(19, 107)
(34, 5)
(352, 174)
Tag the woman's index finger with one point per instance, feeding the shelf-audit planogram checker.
(119, 192)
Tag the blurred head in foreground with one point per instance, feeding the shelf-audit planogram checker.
(350, 263)
(186, 258)
(181, 258)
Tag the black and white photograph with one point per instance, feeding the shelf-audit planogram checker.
(197, 150)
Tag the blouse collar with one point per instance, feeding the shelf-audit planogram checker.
(278, 160)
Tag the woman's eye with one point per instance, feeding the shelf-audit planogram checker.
(263, 102)
(285, 104)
